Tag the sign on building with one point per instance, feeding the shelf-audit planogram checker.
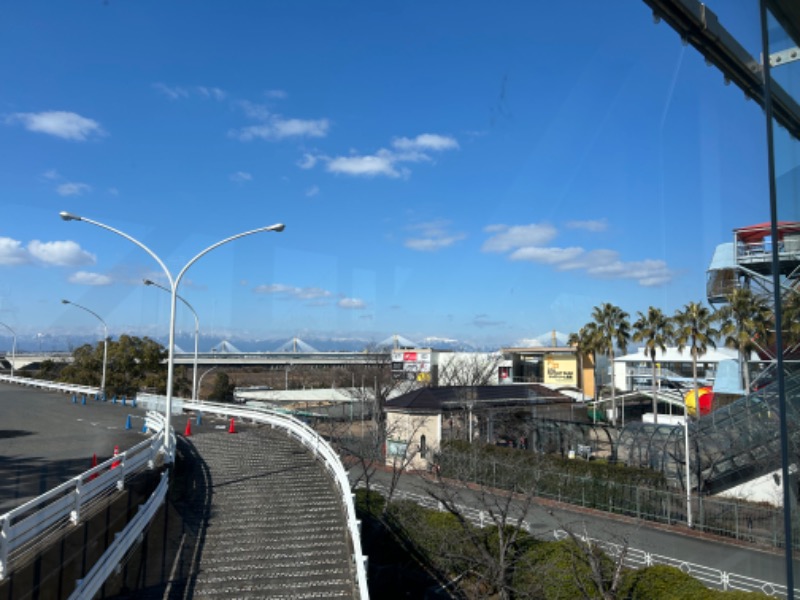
(560, 369)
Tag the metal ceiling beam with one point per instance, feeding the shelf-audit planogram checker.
(697, 25)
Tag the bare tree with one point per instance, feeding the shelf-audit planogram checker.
(492, 523)
(468, 368)
(393, 446)
(604, 562)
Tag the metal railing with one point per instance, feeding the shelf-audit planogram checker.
(55, 386)
(634, 558)
(32, 524)
(322, 450)
(115, 553)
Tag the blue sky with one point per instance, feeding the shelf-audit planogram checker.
(477, 171)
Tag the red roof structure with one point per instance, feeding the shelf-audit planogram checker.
(756, 233)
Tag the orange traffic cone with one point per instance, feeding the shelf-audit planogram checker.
(188, 431)
(116, 463)
(94, 464)
(232, 428)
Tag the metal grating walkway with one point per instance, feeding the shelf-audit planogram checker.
(272, 524)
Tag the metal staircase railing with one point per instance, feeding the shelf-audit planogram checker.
(322, 450)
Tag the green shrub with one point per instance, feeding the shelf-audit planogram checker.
(369, 503)
(661, 582)
(554, 571)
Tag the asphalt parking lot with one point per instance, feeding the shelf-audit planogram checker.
(46, 439)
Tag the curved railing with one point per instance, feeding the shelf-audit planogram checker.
(321, 449)
(27, 526)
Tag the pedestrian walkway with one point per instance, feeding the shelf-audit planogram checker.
(269, 522)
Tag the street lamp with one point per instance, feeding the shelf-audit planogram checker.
(105, 343)
(200, 383)
(13, 347)
(686, 460)
(173, 286)
(196, 332)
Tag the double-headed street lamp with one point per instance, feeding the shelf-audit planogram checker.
(105, 342)
(196, 333)
(13, 347)
(173, 288)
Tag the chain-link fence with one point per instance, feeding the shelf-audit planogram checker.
(527, 473)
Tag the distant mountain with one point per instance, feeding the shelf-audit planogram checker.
(207, 343)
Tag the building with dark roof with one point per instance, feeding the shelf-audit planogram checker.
(417, 422)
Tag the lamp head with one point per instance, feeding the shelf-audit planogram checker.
(69, 216)
(66, 302)
(148, 282)
(278, 227)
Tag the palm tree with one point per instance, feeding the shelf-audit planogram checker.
(791, 322)
(745, 318)
(611, 329)
(584, 345)
(694, 329)
(655, 330)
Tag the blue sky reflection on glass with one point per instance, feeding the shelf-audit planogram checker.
(485, 174)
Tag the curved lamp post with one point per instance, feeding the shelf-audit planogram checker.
(196, 332)
(105, 342)
(200, 383)
(13, 347)
(173, 287)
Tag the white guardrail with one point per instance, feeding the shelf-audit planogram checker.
(634, 558)
(67, 388)
(321, 449)
(25, 527)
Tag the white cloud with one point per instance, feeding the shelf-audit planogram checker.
(277, 94)
(259, 112)
(351, 304)
(529, 243)
(591, 259)
(241, 177)
(177, 92)
(549, 256)
(518, 236)
(385, 162)
(364, 166)
(312, 191)
(307, 293)
(51, 174)
(276, 127)
(62, 124)
(72, 188)
(300, 127)
(211, 92)
(592, 225)
(12, 253)
(172, 92)
(307, 162)
(279, 128)
(65, 254)
(113, 191)
(426, 141)
(647, 273)
(433, 236)
(86, 278)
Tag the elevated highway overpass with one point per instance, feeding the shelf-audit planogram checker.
(275, 360)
